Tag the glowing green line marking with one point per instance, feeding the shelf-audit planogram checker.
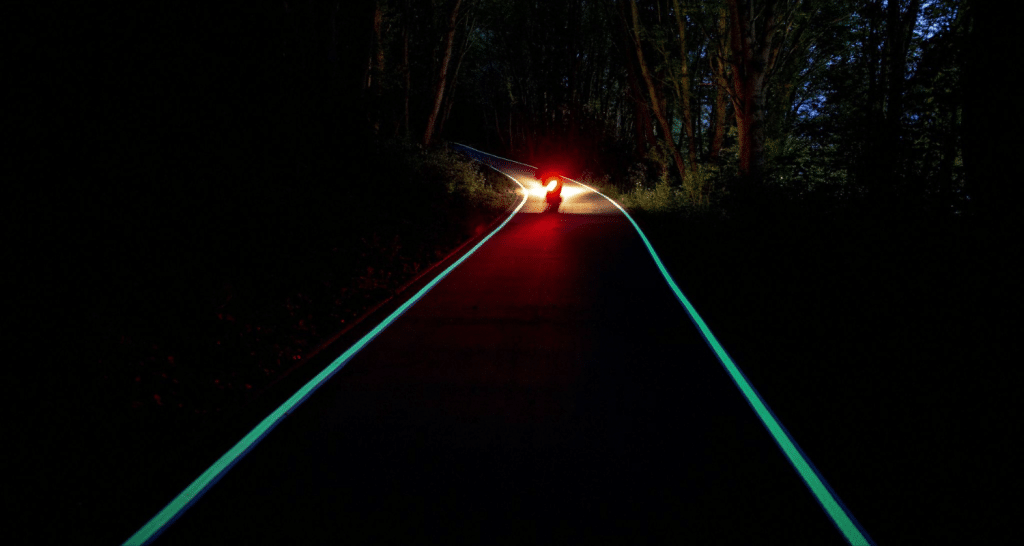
(835, 509)
(207, 479)
(826, 497)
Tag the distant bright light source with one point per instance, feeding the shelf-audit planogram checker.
(568, 190)
(552, 184)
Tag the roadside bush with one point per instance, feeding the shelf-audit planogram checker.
(662, 199)
(314, 256)
(699, 186)
(698, 193)
(601, 183)
(457, 175)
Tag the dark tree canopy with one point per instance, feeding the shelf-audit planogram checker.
(850, 97)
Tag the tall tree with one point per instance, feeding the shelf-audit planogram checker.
(373, 83)
(684, 85)
(643, 126)
(406, 67)
(901, 17)
(442, 74)
(449, 99)
(719, 65)
(758, 35)
(753, 25)
(656, 100)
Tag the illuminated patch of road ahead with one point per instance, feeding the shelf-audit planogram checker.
(576, 198)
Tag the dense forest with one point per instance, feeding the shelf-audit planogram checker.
(198, 183)
(857, 99)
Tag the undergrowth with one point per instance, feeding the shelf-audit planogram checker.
(247, 294)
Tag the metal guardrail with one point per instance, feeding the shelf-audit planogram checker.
(499, 163)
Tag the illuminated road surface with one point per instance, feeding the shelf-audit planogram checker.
(550, 389)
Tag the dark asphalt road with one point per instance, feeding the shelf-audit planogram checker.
(551, 389)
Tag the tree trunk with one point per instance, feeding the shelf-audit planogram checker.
(870, 172)
(721, 89)
(899, 29)
(406, 68)
(442, 75)
(449, 99)
(684, 83)
(653, 93)
(375, 71)
(642, 124)
(751, 50)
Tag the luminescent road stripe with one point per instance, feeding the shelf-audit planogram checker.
(207, 479)
(827, 498)
(834, 507)
(531, 168)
